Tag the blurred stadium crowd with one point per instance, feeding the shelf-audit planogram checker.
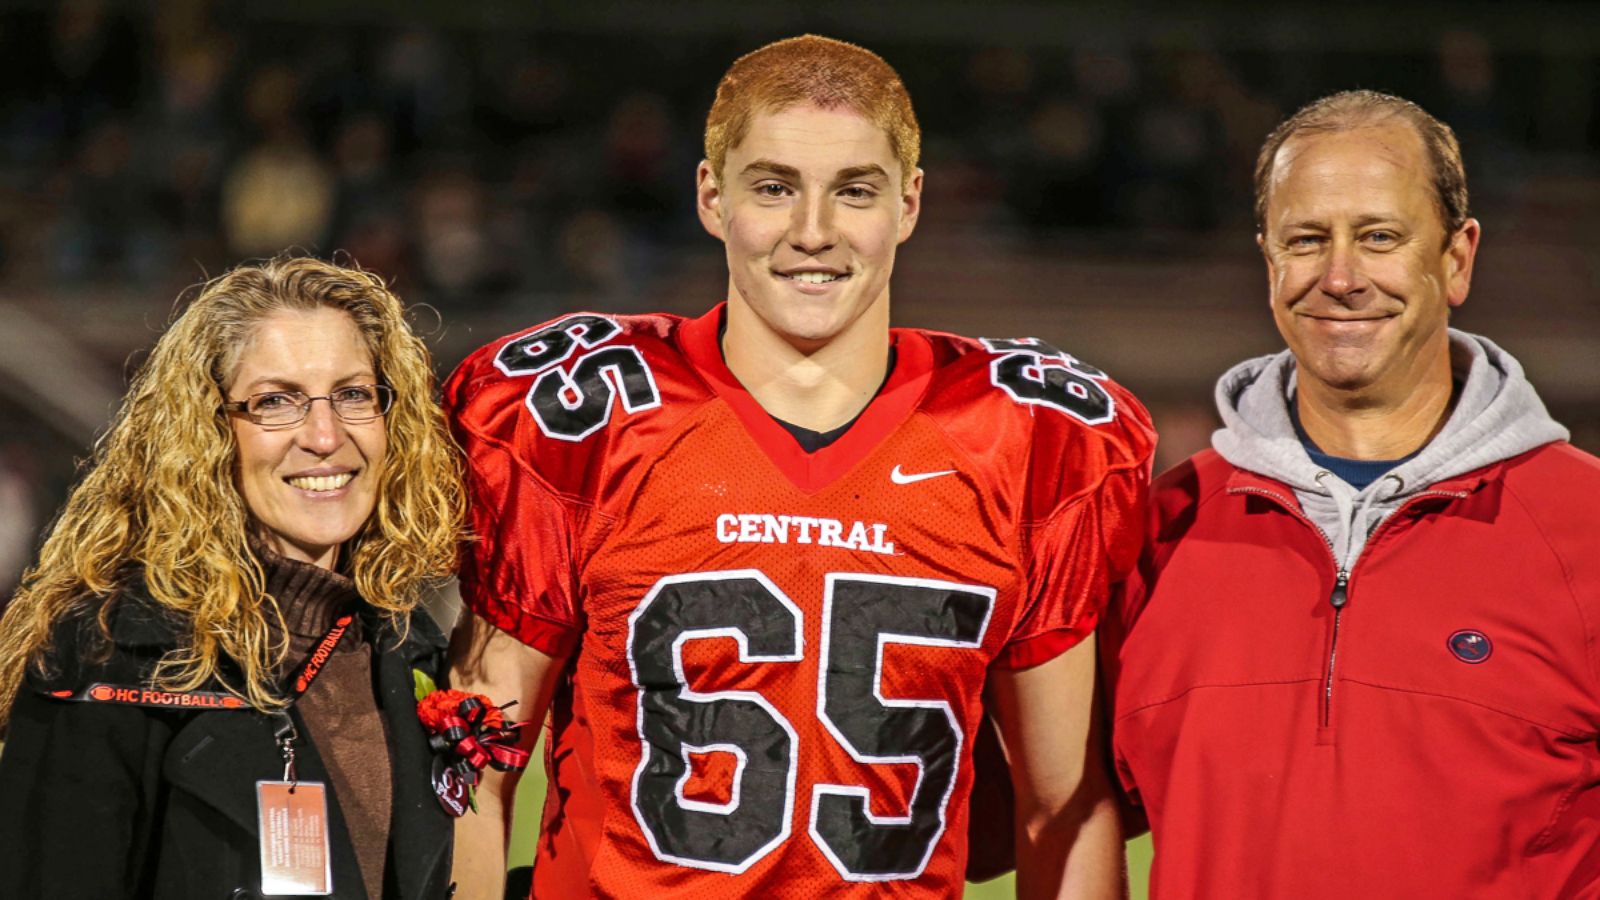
(505, 171)
(477, 166)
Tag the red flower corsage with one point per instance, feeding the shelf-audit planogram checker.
(438, 709)
(467, 732)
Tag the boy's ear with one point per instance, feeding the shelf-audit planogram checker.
(708, 199)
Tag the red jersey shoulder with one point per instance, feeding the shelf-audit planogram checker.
(561, 397)
(1032, 407)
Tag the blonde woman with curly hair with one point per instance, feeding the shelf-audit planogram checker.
(227, 599)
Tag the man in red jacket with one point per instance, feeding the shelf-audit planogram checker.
(1360, 655)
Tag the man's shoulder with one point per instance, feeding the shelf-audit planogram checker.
(1202, 474)
(1178, 494)
(1543, 505)
(1548, 478)
(1557, 460)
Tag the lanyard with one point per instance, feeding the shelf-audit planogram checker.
(136, 695)
(308, 670)
(285, 734)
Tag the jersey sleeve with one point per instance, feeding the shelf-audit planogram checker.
(516, 565)
(1092, 482)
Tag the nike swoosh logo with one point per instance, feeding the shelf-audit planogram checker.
(899, 477)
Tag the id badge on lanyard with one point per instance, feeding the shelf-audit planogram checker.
(295, 853)
(296, 857)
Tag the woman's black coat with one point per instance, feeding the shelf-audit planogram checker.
(100, 802)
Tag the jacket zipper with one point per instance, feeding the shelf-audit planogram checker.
(1337, 599)
(1340, 595)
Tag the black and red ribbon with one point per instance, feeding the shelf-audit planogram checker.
(475, 736)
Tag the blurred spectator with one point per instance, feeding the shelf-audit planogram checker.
(106, 229)
(1467, 70)
(638, 175)
(458, 261)
(1472, 104)
(1063, 179)
(425, 90)
(998, 97)
(525, 100)
(93, 65)
(593, 253)
(366, 181)
(278, 195)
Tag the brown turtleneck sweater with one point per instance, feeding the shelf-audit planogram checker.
(341, 708)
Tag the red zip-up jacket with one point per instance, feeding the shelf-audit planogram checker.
(1426, 729)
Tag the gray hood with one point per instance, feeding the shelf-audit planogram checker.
(1497, 416)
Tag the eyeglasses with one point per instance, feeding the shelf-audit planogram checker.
(353, 404)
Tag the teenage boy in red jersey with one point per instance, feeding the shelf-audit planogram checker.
(769, 561)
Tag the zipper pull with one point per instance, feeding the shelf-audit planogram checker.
(1340, 595)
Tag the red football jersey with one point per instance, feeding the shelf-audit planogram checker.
(780, 656)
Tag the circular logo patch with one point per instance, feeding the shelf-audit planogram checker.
(1470, 645)
(451, 790)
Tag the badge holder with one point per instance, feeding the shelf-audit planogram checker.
(295, 856)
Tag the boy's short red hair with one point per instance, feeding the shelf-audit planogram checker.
(819, 70)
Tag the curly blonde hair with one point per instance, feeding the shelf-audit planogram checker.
(159, 497)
